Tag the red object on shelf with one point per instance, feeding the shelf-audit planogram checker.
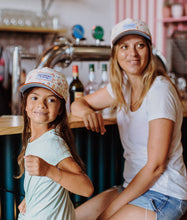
(166, 11)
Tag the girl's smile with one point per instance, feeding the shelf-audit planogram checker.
(42, 106)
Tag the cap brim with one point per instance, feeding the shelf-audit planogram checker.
(129, 32)
(27, 86)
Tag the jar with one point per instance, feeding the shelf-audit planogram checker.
(177, 10)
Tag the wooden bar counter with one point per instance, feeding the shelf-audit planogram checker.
(14, 124)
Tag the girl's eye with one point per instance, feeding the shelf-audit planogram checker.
(51, 100)
(33, 98)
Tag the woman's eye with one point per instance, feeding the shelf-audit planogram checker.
(141, 45)
(123, 47)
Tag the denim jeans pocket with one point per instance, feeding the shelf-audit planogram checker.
(159, 203)
(183, 206)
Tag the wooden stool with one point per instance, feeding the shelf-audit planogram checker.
(184, 217)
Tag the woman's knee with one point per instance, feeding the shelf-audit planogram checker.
(96, 205)
(133, 212)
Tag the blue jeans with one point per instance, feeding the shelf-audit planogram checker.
(166, 207)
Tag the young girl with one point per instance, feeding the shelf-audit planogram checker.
(52, 168)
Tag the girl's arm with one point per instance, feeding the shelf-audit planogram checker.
(160, 134)
(67, 173)
(87, 106)
(22, 207)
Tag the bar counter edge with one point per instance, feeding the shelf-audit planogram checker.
(13, 124)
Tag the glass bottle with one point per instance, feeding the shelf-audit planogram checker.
(104, 77)
(104, 81)
(2, 65)
(76, 88)
(92, 85)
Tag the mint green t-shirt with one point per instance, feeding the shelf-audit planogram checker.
(46, 199)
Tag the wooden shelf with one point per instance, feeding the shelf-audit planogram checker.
(31, 30)
(175, 20)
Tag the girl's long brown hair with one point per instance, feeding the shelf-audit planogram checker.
(62, 129)
(117, 76)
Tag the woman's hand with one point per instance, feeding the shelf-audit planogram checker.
(36, 166)
(88, 108)
(94, 121)
(22, 207)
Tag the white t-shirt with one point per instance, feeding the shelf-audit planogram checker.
(161, 101)
(46, 199)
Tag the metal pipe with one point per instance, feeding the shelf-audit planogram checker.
(66, 53)
(16, 72)
(91, 53)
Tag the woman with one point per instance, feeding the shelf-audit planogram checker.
(149, 119)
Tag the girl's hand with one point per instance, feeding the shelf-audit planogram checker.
(94, 121)
(36, 166)
(22, 207)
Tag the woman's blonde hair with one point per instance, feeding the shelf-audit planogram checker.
(117, 77)
(62, 129)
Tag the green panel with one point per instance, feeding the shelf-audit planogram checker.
(102, 155)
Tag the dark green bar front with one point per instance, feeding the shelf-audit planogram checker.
(102, 156)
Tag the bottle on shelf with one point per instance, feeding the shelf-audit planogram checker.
(104, 81)
(92, 85)
(104, 77)
(2, 66)
(76, 88)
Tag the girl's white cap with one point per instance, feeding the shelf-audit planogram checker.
(47, 78)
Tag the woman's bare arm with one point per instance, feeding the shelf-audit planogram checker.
(88, 106)
(160, 133)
